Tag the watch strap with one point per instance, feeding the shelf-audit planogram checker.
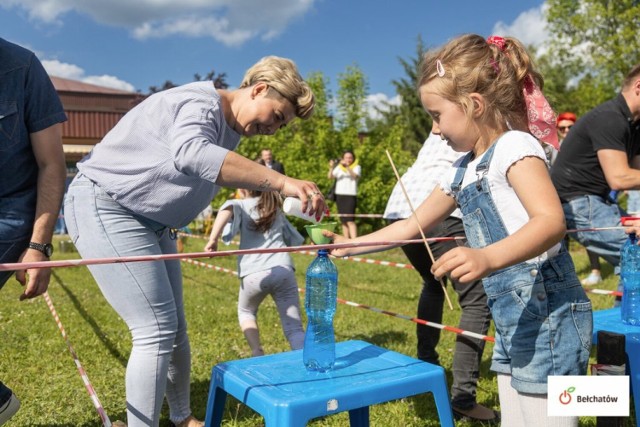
(45, 248)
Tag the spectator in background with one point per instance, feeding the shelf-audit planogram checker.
(600, 154)
(346, 172)
(267, 156)
(32, 175)
(564, 123)
(434, 160)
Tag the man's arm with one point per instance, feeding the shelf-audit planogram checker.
(47, 148)
(617, 171)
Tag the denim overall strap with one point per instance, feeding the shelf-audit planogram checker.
(459, 177)
(482, 221)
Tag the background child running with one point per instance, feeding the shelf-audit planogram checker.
(261, 224)
(481, 95)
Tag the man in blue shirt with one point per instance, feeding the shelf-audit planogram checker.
(32, 174)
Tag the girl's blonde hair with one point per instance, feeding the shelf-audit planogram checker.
(282, 75)
(268, 206)
(469, 64)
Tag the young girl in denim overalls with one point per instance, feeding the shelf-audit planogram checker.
(484, 98)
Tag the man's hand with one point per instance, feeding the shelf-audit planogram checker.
(38, 278)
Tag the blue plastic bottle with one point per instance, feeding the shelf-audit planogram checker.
(321, 293)
(630, 276)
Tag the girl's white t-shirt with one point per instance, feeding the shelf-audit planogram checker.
(511, 147)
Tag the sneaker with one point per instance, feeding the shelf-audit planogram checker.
(477, 413)
(9, 408)
(591, 280)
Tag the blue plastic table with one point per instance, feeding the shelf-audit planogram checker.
(610, 320)
(280, 389)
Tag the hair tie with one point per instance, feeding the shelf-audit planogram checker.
(541, 118)
(497, 41)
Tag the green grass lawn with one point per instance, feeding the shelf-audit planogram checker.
(38, 366)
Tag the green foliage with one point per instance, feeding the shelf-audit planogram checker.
(595, 42)
(352, 93)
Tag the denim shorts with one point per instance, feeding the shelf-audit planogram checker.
(543, 322)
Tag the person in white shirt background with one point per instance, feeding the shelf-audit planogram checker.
(346, 172)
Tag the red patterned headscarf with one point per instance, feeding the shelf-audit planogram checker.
(540, 115)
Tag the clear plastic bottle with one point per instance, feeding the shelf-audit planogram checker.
(321, 293)
(630, 276)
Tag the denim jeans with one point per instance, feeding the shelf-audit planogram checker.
(10, 251)
(16, 225)
(541, 312)
(147, 295)
(594, 212)
(475, 316)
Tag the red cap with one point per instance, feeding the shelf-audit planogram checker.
(566, 116)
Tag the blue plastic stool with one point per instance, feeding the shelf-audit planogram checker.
(611, 320)
(280, 389)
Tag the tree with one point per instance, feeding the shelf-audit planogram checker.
(595, 41)
(219, 82)
(352, 93)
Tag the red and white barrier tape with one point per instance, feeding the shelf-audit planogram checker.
(603, 292)
(368, 261)
(85, 378)
(357, 215)
(212, 267)
(377, 310)
(416, 320)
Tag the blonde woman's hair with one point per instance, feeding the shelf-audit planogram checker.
(282, 75)
(268, 206)
(469, 64)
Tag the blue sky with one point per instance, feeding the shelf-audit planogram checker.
(134, 44)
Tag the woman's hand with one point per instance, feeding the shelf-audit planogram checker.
(462, 264)
(313, 202)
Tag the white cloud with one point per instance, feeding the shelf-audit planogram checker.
(530, 27)
(73, 72)
(379, 101)
(230, 22)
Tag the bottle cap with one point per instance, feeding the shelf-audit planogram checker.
(293, 206)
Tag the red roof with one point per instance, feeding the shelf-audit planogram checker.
(66, 85)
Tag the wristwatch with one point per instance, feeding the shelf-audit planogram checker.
(45, 248)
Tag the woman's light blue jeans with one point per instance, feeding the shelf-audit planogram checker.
(147, 295)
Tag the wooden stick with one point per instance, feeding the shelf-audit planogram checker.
(413, 214)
